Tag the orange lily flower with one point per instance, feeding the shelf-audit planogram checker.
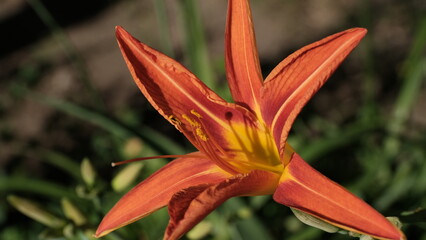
(243, 149)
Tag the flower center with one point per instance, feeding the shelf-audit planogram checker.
(252, 148)
(238, 147)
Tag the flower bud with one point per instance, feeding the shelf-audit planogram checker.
(200, 230)
(314, 222)
(126, 177)
(132, 147)
(395, 221)
(72, 212)
(34, 211)
(87, 172)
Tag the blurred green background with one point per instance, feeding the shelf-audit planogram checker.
(68, 108)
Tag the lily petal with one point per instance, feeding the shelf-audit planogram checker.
(189, 206)
(307, 190)
(157, 190)
(241, 56)
(293, 82)
(181, 97)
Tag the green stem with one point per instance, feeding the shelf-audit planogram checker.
(163, 22)
(369, 83)
(195, 43)
(413, 75)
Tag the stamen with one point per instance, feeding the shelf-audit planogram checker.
(191, 121)
(208, 145)
(213, 141)
(201, 134)
(175, 122)
(195, 113)
(213, 155)
(145, 158)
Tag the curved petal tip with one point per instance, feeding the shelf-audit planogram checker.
(307, 190)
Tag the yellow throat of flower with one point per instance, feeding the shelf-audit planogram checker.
(252, 148)
(246, 147)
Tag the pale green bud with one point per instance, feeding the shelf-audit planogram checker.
(244, 213)
(88, 173)
(366, 237)
(395, 221)
(72, 212)
(355, 234)
(200, 230)
(132, 147)
(314, 222)
(68, 231)
(89, 234)
(126, 177)
(34, 211)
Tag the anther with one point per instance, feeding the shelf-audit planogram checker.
(190, 120)
(195, 113)
(175, 121)
(201, 134)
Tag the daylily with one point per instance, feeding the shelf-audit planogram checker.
(242, 146)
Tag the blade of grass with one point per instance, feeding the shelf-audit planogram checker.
(195, 43)
(416, 216)
(62, 162)
(69, 49)
(31, 185)
(252, 229)
(349, 133)
(413, 75)
(369, 79)
(150, 136)
(246, 223)
(163, 28)
(306, 234)
(402, 181)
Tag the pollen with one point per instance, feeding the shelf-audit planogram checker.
(201, 134)
(197, 127)
(191, 121)
(195, 113)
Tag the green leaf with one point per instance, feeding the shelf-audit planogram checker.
(13, 184)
